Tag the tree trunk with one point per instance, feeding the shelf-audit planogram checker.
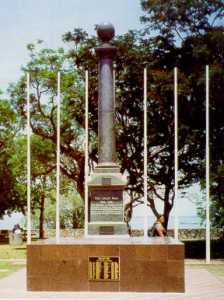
(167, 206)
(81, 182)
(128, 215)
(41, 219)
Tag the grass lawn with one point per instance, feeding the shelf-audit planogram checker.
(12, 252)
(6, 268)
(7, 253)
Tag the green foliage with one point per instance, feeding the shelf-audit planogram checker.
(217, 191)
(181, 17)
(43, 67)
(199, 26)
(216, 198)
(12, 192)
(207, 49)
(78, 217)
(71, 208)
(135, 52)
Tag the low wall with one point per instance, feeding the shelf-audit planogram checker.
(189, 234)
(4, 236)
(184, 234)
(198, 234)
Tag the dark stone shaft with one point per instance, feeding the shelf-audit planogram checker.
(107, 150)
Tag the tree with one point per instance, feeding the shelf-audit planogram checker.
(71, 206)
(181, 18)
(12, 192)
(208, 49)
(43, 68)
(43, 179)
(135, 51)
(198, 25)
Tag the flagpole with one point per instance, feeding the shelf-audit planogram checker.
(28, 163)
(175, 155)
(145, 155)
(58, 162)
(207, 171)
(86, 153)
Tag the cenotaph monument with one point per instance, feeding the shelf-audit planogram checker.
(106, 184)
(107, 259)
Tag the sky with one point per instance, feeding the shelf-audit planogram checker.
(25, 21)
(186, 202)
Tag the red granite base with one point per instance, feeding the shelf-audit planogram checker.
(155, 265)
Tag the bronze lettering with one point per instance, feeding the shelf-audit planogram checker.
(104, 268)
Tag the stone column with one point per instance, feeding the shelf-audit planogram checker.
(106, 183)
(106, 136)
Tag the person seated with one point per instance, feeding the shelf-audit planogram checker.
(17, 229)
(158, 227)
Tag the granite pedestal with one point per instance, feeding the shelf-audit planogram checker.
(151, 265)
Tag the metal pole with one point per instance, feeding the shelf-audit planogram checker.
(207, 171)
(175, 154)
(58, 162)
(86, 152)
(145, 155)
(28, 163)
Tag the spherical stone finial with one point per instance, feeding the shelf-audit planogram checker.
(105, 32)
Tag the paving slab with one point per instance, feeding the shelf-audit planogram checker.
(200, 285)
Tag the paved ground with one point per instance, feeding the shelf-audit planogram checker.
(200, 285)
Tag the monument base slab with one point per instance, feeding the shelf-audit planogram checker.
(106, 264)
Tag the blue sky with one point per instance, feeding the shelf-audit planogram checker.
(25, 21)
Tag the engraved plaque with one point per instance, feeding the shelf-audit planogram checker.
(104, 268)
(106, 181)
(106, 230)
(106, 205)
(107, 195)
